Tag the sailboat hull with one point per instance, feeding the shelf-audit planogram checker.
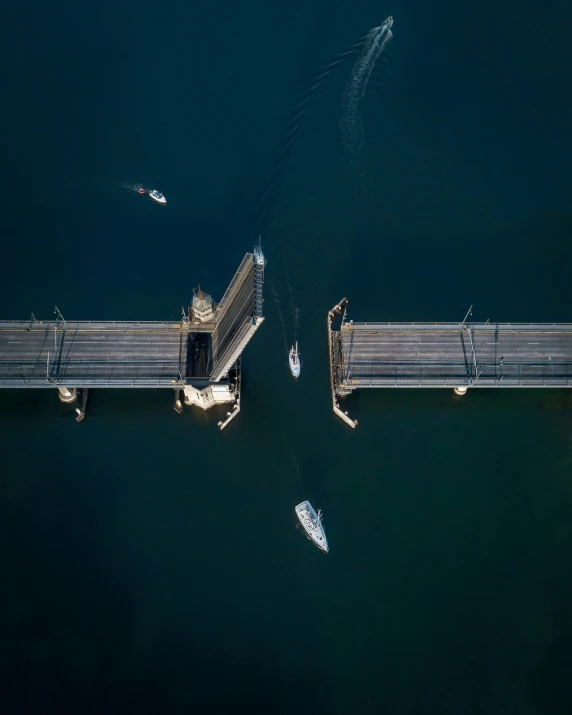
(294, 367)
(312, 525)
(294, 361)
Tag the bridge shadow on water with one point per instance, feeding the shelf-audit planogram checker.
(419, 413)
(443, 400)
(104, 406)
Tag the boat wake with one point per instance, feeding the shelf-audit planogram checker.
(127, 186)
(296, 466)
(297, 472)
(278, 306)
(296, 314)
(294, 310)
(267, 200)
(351, 123)
(287, 310)
(95, 184)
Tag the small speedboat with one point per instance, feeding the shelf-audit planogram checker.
(294, 360)
(157, 196)
(312, 524)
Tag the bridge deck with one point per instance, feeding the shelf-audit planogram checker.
(443, 355)
(88, 354)
(133, 354)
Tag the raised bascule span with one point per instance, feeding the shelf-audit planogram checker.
(198, 356)
(453, 355)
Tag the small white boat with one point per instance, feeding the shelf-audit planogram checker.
(259, 258)
(294, 361)
(157, 196)
(312, 524)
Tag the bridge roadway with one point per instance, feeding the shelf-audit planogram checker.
(88, 354)
(94, 354)
(451, 355)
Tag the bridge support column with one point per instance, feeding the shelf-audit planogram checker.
(67, 395)
(82, 410)
(461, 390)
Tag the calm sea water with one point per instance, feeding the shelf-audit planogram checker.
(151, 563)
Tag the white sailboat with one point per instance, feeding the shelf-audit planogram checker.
(312, 524)
(294, 360)
(157, 196)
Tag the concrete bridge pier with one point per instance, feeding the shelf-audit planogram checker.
(461, 390)
(66, 394)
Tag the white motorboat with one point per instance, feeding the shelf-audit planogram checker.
(294, 360)
(259, 258)
(157, 196)
(312, 524)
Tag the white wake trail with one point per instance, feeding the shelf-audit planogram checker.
(294, 310)
(383, 38)
(296, 313)
(351, 123)
(277, 305)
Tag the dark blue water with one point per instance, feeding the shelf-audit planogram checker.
(151, 563)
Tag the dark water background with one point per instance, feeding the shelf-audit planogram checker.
(149, 562)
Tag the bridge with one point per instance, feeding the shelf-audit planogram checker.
(454, 355)
(198, 355)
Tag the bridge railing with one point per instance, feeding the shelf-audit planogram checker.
(525, 372)
(98, 325)
(534, 327)
(72, 370)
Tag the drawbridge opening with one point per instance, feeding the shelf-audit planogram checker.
(198, 351)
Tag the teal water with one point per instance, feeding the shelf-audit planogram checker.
(152, 562)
